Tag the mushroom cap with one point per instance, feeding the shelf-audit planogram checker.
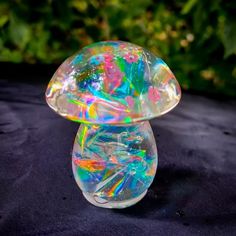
(113, 82)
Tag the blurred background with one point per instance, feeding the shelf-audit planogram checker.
(197, 39)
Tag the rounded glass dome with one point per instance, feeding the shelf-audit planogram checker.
(113, 82)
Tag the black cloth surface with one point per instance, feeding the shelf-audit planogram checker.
(194, 191)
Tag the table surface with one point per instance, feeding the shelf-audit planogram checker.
(193, 193)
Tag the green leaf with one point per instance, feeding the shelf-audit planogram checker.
(19, 32)
(79, 5)
(3, 20)
(188, 6)
(8, 55)
(229, 38)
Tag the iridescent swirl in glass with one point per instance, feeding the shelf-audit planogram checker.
(114, 165)
(113, 83)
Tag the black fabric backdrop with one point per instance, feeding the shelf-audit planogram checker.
(194, 191)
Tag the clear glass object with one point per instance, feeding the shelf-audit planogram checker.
(114, 165)
(113, 88)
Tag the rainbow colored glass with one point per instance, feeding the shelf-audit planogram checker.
(112, 83)
(113, 88)
(114, 165)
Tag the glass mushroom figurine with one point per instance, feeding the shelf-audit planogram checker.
(113, 88)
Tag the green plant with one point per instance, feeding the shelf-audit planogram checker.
(196, 38)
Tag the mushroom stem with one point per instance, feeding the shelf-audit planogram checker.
(114, 164)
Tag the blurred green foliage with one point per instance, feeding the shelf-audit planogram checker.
(197, 39)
